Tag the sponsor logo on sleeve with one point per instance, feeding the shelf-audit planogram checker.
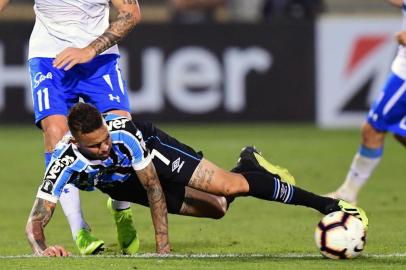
(58, 166)
(54, 172)
(117, 124)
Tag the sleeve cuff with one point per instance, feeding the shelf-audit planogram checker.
(46, 196)
(141, 165)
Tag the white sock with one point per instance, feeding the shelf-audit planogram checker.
(359, 173)
(120, 205)
(70, 202)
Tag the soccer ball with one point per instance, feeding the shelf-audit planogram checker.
(340, 235)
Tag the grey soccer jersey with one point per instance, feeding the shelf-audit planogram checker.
(68, 165)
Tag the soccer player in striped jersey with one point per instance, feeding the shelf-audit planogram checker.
(73, 54)
(387, 114)
(137, 162)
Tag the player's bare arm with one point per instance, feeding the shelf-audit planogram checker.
(396, 3)
(149, 178)
(128, 16)
(3, 4)
(39, 217)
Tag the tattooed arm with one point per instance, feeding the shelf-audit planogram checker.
(40, 215)
(128, 15)
(149, 179)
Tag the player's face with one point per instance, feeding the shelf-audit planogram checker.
(96, 144)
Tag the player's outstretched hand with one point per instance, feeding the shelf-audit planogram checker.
(401, 37)
(72, 56)
(55, 251)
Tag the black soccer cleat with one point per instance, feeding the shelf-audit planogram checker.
(251, 158)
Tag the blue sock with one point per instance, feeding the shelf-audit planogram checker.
(370, 152)
(47, 157)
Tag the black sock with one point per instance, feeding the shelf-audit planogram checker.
(269, 187)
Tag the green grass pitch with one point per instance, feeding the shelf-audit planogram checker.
(253, 235)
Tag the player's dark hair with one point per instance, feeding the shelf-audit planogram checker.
(84, 118)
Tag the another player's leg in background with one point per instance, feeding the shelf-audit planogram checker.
(364, 163)
(54, 128)
(250, 179)
(387, 114)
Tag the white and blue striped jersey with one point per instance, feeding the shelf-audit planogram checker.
(68, 165)
(67, 23)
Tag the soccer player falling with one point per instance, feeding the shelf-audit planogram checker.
(137, 162)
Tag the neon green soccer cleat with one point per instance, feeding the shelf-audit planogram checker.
(252, 155)
(355, 211)
(126, 233)
(87, 243)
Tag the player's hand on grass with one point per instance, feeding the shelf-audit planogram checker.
(55, 251)
(69, 57)
(166, 249)
(401, 37)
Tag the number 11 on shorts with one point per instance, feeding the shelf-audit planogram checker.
(43, 99)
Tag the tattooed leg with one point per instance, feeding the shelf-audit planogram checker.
(202, 204)
(212, 179)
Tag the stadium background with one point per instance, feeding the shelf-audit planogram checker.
(280, 82)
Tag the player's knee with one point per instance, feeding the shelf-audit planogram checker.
(55, 131)
(232, 188)
(52, 134)
(220, 208)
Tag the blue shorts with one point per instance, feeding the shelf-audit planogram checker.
(388, 113)
(98, 82)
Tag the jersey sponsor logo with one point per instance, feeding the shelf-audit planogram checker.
(58, 166)
(39, 78)
(177, 165)
(47, 186)
(117, 124)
